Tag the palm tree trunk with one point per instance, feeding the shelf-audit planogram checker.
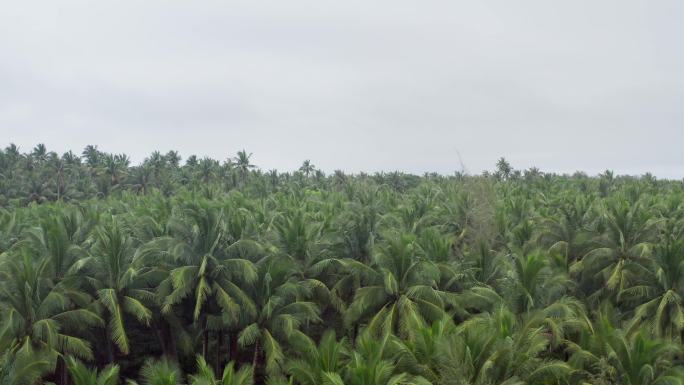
(172, 346)
(62, 371)
(162, 340)
(110, 348)
(255, 362)
(59, 186)
(205, 343)
(219, 344)
(232, 354)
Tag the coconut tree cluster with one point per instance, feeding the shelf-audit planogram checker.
(216, 272)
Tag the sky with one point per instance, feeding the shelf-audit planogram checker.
(415, 86)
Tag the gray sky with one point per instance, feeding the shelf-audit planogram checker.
(352, 85)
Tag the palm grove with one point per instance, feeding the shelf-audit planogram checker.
(208, 272)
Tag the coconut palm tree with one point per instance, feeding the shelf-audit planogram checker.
(204, 274)
(307, 168)
(313, 361)
(242, 164)
(399, 291)
(26, 366)
(496, 348)
(282, 308)
(532, 282)
(662, 293)
(91, 155)
(53, 241)
(82, 375)
(205, 375)
(606, 353)
(373, 362)
(624, 248)
(159, 372)
(424, 355)
(120, 286)
(38, 315)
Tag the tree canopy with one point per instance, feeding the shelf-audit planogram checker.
(209, 272)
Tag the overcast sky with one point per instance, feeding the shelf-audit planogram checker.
(353, 85)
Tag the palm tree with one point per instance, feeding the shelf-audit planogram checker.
(489, 267)
(59, 168)
(640, 360)
(141, 178)
(567, 232)
(400, 291)
(242, 164)
(11, 227)
(159, 372)
(314, 361)
(503, 168)
(623, 250)
(662, 293)
(307, 168)
(533, 282)
(424, 355)
(82, 375)
(373, 362)
(121, 287)
(607, 354)
(53, 241)
(498, 349)
(282, 308)
(26, 366)
(40, 153)
(207, 169)
(358, 223)
(38, 315)
(91, 155)
(115, 166)
(205, 375)
(205, 272)
(173, 158)
(298, 236)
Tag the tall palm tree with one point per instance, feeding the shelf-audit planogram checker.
(568, 231)
(373, 362)
(26, 366)
(92, 155)
(204, 272)
(662, 293)
(242, 164)
(496, 348)
(307, 168)
(299, 237)
(53, 241)
(534, 283)
(624, 248)
(605, 353)
(424, 355)
(399, 289)
(640, 360)
(38, 315)
(282, 308)
(120, 286)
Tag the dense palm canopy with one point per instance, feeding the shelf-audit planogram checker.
(208, 272)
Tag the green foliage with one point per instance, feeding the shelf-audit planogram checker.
(211, 272)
